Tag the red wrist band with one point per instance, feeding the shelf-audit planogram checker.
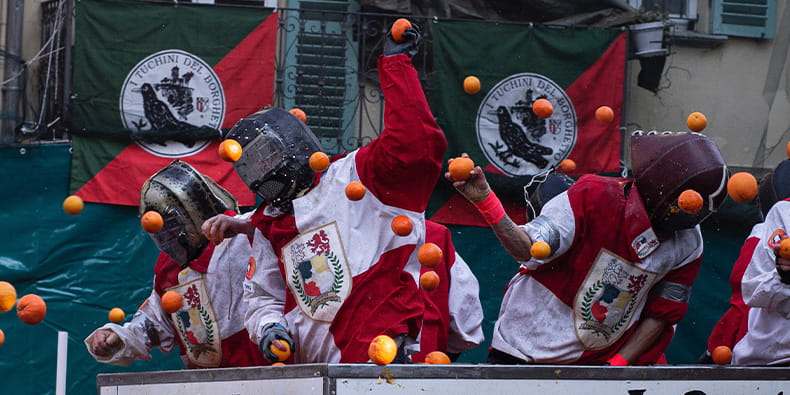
(491, 208)
(617, 360)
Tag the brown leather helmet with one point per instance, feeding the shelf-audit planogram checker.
(666, 164)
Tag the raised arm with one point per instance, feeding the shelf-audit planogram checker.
(404, 163)
(476, 189)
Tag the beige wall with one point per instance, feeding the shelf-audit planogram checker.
(31, 41)
(726, 84)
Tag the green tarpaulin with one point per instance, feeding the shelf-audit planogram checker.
(84, 265)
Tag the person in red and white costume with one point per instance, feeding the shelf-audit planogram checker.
(453, 317)
(209, 328)
(733, 325)
(328, 273)
(623, 257)
(766, 282)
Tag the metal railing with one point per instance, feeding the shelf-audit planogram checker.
(326, 65)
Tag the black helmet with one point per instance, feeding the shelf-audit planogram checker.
(276, 147)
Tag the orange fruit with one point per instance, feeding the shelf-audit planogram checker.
(566, 166)
(278, 364)
(319, 161)
(2, 337)
(282, 355)
(471, 85)
(7, 296)
(540, 250)
(401, 225)
(542, 108)
(299, 113)
(787, 149)
(459, 168)
(355, 190)
(696, 121)
(429, 255)
(116, 315)
(73, 205)
(229, 150)
(398, 28)
(172, 302)
(722, 355)
(31, 309)
(742, 187)
(152, 221)
(784, 248)
(429, 280)
(604, 114)
(382, 350)
(690, 201)
(437, 358)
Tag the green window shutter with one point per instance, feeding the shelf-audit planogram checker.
(320, 69)
(744, 18)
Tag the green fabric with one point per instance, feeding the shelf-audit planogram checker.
(137, 30)
(104, 52)
(492, 52)
(81, 265)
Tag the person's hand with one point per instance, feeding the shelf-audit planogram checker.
(105, 343)
(783, 268)
(220, 227)
(270, 333)
(475, 188)
(408, 46)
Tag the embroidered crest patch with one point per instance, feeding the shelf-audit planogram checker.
(317, 272)
(607, 301)
(776, 237)
(197, 325)
(645, 243)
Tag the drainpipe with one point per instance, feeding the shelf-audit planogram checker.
(12, 90)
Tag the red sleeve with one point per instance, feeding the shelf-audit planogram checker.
(669, 298)
(732, 326)
(403, 164)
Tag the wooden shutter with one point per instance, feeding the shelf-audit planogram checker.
(744, 18)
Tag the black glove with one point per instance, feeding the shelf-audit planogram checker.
(402, 356)
(783, 275)
(408, 46)
(273, 332)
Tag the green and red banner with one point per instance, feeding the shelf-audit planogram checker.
(158, 82)
(576, 70)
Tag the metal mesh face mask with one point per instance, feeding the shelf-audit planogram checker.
(275, 159)
(184, 198)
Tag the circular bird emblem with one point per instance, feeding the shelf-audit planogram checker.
(171, 100)
(516, 140)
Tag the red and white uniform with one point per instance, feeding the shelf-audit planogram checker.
(732, 326)
(580, 305)
(767, 341)
(334, 274)
(209, 328)
(453, 318)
